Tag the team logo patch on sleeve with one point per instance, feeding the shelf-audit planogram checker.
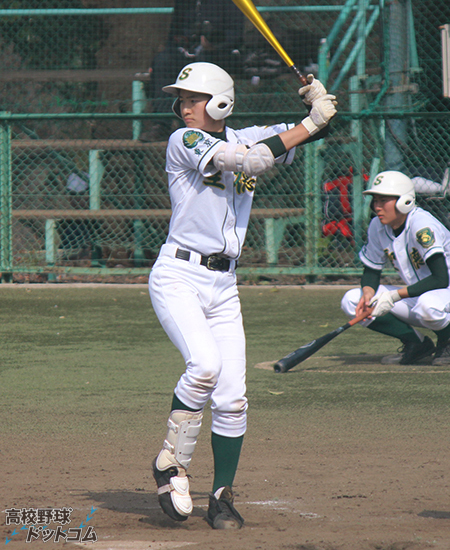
(425, 237)
(192, 138)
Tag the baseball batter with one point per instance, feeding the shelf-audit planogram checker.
(212, 171)
(418, 246)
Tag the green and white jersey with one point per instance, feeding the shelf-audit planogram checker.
(422, 237)
(211, 209)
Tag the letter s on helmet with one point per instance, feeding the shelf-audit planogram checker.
(205, 78)
(395, 184)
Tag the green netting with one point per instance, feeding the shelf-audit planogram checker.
(84, 127)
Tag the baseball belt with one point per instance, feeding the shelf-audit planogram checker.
(213, 262)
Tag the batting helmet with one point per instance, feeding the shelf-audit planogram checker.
(205, 78)
(395, 184)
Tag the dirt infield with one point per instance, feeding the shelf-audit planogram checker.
(341, 454)
(347, 482)
(346, 492)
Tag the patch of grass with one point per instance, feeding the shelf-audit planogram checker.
(92, 360)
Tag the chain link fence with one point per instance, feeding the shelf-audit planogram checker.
(84, 126)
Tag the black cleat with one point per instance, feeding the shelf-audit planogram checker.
(411, 353)
(165, 482)
(221, 512)
(442, 355)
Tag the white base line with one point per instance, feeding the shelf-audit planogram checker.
(377, 371)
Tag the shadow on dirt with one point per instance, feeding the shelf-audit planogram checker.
(435, 514)
(145, 504)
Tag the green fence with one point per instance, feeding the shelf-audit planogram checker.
(83, 187)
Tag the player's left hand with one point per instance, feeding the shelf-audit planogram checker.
(323, 110)
(312, 91)
(384, 303)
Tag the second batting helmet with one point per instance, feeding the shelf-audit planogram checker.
(205, 78)
(394, 184)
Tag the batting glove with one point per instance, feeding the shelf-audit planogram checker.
(312, 91)
(323, 110)
(384, 303)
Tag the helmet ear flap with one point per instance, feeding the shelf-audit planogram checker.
(176, 107)
(405, 203)
(220, 106)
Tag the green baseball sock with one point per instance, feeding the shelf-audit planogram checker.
(443, 335)
(392, 326)
(178, 405)
(226, 452)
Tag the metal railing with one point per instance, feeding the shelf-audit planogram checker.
(92, 133)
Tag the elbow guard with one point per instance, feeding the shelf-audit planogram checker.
(259, 159)
(237, 157)
(230, 157)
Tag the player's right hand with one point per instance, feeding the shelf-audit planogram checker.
(363, 305)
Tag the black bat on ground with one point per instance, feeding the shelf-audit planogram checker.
(302, 353)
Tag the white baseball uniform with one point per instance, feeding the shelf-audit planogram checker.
(422, 237)
(199, 308)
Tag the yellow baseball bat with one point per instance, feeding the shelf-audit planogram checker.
(249, 10)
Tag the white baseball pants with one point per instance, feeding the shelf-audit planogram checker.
(200, 311)
(430, 310)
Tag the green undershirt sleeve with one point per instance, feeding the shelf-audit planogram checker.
(275, 144)
(438, 278)
(371, 277)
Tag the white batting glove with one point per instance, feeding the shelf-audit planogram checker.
(312, 91)
(323, 110)
(384, 303)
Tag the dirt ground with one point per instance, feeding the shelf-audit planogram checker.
(342, 486)
(312, 475)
